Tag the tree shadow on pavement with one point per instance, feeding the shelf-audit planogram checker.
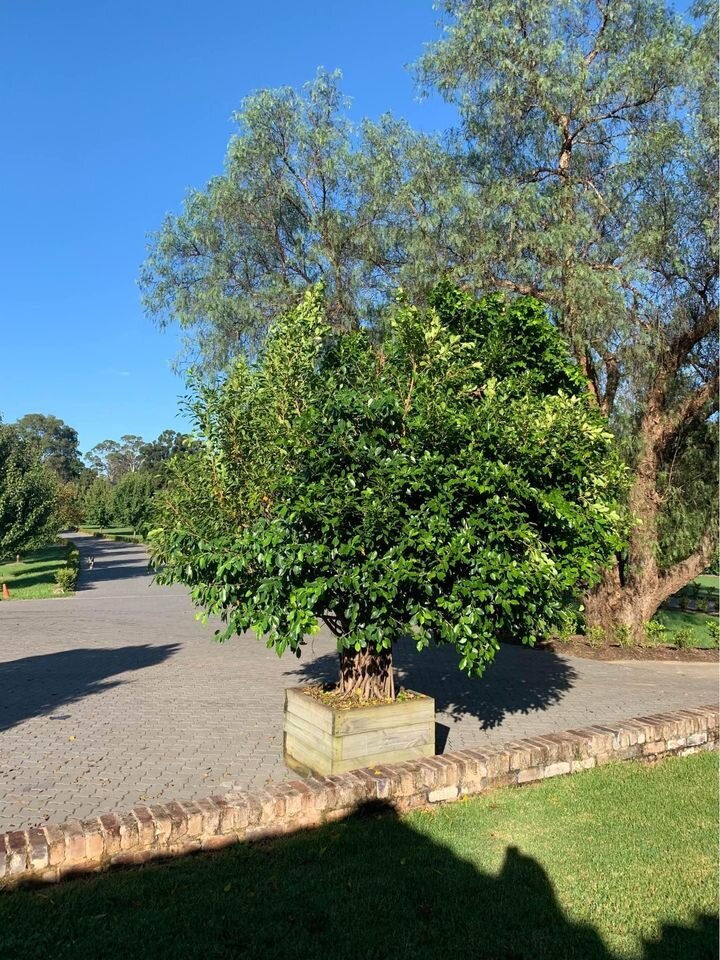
(35, 686)
(368, 888)
(520, 681)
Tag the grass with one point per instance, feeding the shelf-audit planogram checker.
(616, 862)
(34, 577)
(697, 623)
(113, 533)
(709, 584)
(117, 531)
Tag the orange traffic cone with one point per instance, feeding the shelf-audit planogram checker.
(6, 592)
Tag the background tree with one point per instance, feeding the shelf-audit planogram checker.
(588, 152)
(28, 491)
(155, 455)
(305, 197)
(56, 441)
(454, 483)
(113, 459)
(132, 500)
(98, 503)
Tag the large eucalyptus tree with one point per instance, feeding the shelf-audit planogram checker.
(589, 149)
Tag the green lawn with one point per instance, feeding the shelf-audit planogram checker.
(34, 577)
(674, 620)
(711, 581)
(616, 862)
(118, 531)
(709, 584)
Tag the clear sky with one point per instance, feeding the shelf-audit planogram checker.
(111, 110)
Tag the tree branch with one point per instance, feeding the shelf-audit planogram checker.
(675, 577)
(701, 402)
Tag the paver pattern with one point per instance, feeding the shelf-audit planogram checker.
(119, 695)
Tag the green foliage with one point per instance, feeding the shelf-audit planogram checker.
(595, 636)
(132, 500)
(688, 488)
(623, 636)
(98, 503)
(588, 157)
(305, 197)
(112, 459)
(28, 495)
(655, 633)
(455, 482)
(683, 638)
(56, 442)
(155, 455)
(66, 577)
(714, 631)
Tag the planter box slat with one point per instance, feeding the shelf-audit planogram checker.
(373, 742)
(390, 756)
(301, 729)
(324, 739)
(310, 710)
(361, 719)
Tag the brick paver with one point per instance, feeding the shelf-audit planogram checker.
(119, 695)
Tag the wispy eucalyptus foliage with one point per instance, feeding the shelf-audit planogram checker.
(455, 482)
(588, 144)
(304, 198)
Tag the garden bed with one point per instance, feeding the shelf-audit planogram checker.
(579, 647)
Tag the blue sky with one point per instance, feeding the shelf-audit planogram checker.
(110, 112)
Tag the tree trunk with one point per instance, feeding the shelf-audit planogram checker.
(366, 674)
(632, 600)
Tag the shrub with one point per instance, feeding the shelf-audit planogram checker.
(623, 637)
(66, 579)
(655, 633)
(683, 638)
(454, 482)
(684, 602)
(702, 604)
(595, 636)
(714, 631)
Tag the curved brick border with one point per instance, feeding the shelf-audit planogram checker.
(173, 829)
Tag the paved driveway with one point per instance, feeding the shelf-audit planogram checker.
(118, 695)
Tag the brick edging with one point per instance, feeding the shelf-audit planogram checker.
(49, 853)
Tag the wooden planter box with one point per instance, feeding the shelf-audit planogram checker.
(325, 739)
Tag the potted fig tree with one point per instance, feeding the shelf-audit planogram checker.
(451, 481)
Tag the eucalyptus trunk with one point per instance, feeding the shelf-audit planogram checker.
(633, 589)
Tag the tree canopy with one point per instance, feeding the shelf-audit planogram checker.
(588, 150)
(581, 171)
(112, 459)
(305, 197)
(28, 490)
(454, 482)
(56, 442)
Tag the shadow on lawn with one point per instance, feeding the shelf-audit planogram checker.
(520, 681)
(34, 577)
(369, 887)
(34, 686)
